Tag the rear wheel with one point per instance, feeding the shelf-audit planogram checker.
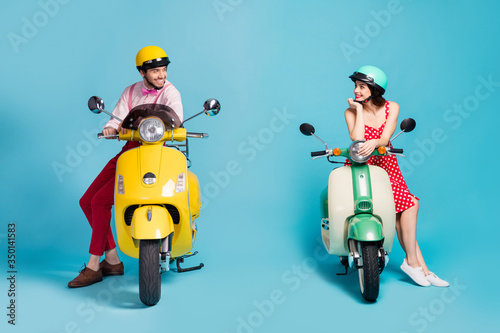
(149, 271)
(369, 281)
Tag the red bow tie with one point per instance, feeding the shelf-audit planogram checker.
(149, 91)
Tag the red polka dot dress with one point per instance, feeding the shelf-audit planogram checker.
(402, 196)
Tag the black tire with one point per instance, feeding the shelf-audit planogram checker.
(369, 281)
(149, 271)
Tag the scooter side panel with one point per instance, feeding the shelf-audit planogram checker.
(194, 195)
(383, 204)
(340, 207)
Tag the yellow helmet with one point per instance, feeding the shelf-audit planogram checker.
(151, 57)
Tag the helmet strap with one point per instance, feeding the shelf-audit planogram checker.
(371, 96)
(365, 101)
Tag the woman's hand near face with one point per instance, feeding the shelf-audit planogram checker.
(355, 120)
(354, 105)
(368, 147)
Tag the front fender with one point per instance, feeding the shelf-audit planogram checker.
(151, 222)
(365, 227)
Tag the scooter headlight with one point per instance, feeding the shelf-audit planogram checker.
(151, 129)
(354, 152)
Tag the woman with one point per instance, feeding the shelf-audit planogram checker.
(370, 117)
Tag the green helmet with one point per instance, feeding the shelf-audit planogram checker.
(373, 76)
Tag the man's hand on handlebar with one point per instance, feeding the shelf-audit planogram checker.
(122, 130)
(109, 131)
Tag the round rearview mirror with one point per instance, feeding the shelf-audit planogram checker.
(96, 104)
(307, 129)
(408, 125)
(211, 107)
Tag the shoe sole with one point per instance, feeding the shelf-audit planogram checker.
(439, 285)
(113, 274)
(418, 284)
(84, 285)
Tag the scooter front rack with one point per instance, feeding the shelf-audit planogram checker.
(183, 148)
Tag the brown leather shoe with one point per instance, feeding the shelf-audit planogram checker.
(108, 269)
(86, 277)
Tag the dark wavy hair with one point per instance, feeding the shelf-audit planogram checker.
(377, 98)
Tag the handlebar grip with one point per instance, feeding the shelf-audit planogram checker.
(318, 153)
(102, 136)
(397, 150)
(196, 135)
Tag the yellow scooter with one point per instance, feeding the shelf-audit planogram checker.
(156, 198)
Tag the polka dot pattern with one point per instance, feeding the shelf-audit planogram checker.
(402, 196)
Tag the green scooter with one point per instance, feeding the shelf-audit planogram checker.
(359, 216)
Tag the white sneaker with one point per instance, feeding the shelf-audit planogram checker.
(416, 274)
(435, 281)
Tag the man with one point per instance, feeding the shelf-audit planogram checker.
(96, 203)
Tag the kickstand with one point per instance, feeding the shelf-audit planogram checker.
(346, 267)
(345, 263)
(180, 260)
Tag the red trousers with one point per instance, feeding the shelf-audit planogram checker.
(96, 204)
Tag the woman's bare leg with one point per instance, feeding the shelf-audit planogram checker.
(406, 227)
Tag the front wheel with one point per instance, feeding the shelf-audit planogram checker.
(149, 271)
(369, 281)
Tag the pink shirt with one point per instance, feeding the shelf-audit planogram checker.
(168, 95)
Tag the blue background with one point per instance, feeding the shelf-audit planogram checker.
(273, 65)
